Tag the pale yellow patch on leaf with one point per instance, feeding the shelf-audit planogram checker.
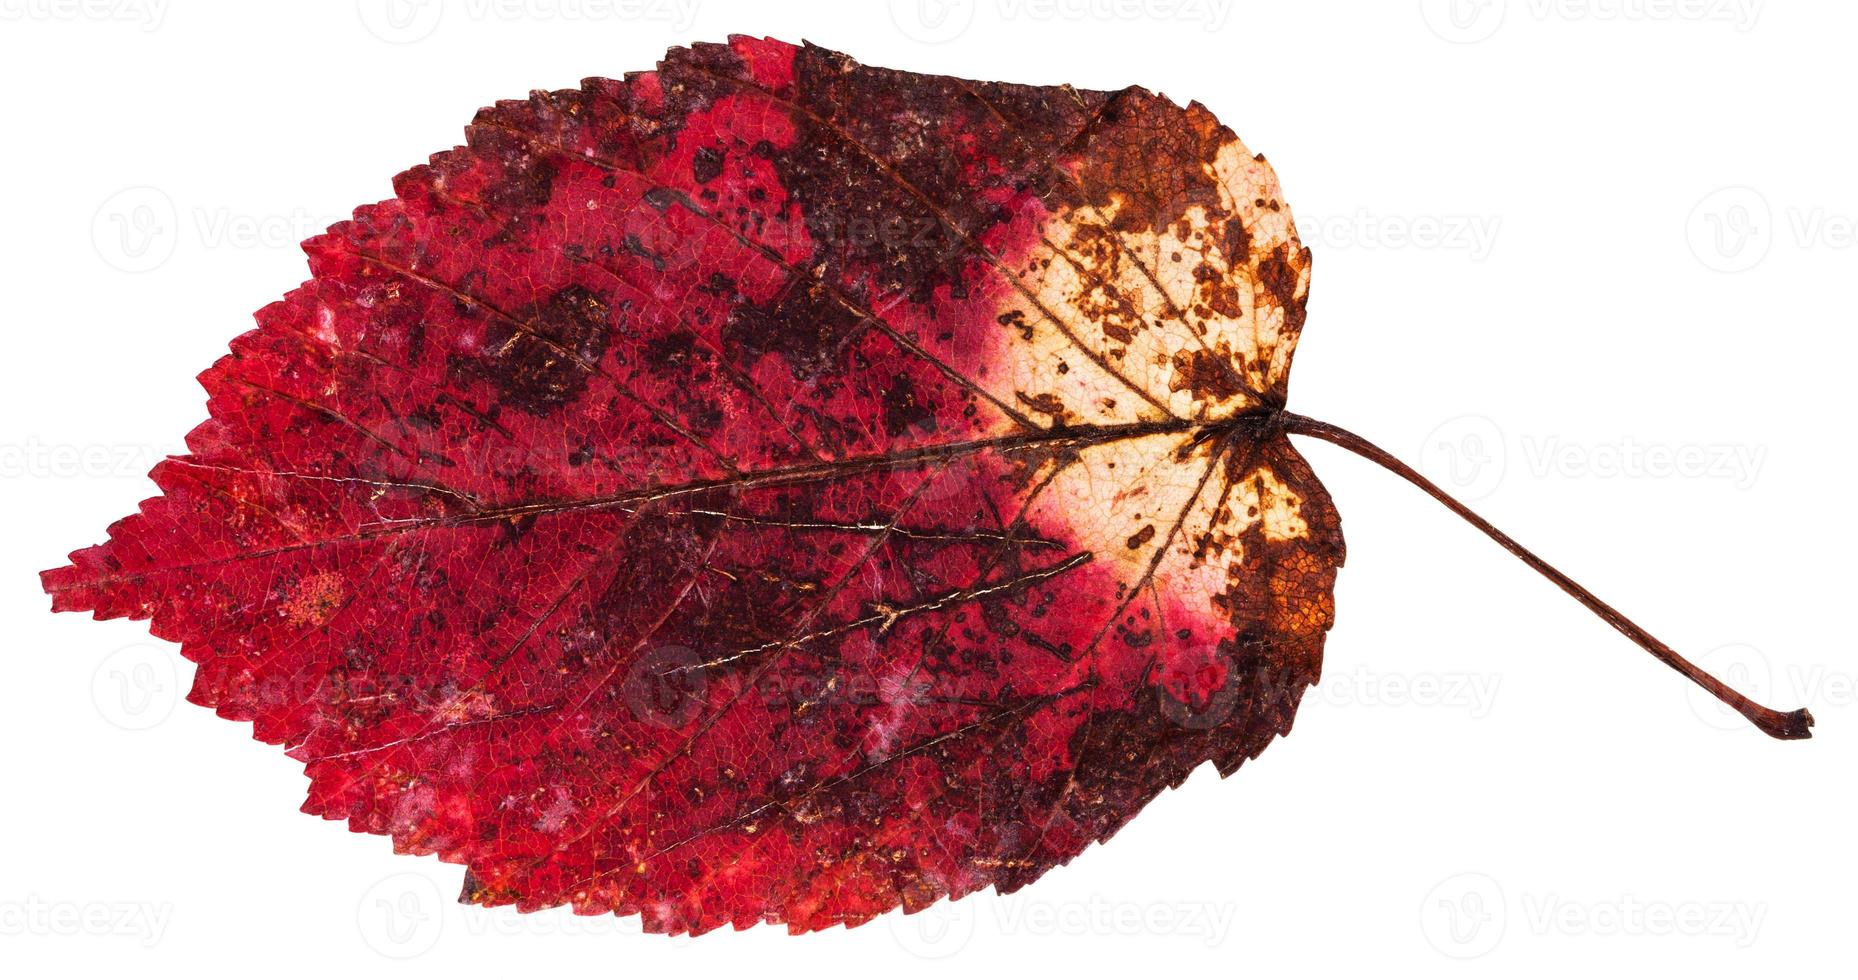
(1122, 326)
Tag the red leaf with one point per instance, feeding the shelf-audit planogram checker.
(763, 489)
(766, 488)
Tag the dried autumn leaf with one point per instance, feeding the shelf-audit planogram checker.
(767, 488)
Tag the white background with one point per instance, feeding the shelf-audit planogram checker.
(1529, 278)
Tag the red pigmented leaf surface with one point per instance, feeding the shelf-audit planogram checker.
(766, 488)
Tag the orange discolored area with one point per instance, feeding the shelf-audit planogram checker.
(314, 599)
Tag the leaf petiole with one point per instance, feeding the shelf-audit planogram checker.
(1791, 724)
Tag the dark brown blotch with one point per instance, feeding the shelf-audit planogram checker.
(541, 357)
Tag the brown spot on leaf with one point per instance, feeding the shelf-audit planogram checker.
(706, 164)
(540, 358)
(1045, 403)
(903, 409)
(1205, 375)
